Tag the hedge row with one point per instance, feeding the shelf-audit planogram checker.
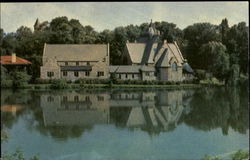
(61, 82)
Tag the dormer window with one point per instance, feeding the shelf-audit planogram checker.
(66, 63)
(77, 63)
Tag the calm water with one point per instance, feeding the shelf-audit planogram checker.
(117, 124)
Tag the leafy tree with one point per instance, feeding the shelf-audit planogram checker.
(215, 59)
(133, 32)
(197, 35)
(224, 28)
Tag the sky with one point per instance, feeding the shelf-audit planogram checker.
(108, 15)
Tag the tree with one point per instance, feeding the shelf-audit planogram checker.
(8, 44)
(224, 28)
(77, 31)
(61, 30)
(133, 32)
(197, 35)
(215, 59)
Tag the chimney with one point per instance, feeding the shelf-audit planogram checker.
(127, 41)
(135, 41)
(13, 57)
(165, 41)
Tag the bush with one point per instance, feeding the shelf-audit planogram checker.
(41, 81)
(240, 155)
(92, 81)
(59, 84)
(20, 79)
(6, 83)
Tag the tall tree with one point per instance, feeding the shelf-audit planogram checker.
(215, 59)
(197, 35)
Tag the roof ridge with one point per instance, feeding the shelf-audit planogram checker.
(172, 52)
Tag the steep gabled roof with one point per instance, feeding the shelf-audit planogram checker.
(176, 52)
(136, 51)
(76, 52)
(163, 60)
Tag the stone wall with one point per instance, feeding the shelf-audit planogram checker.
(148, 76)
(166, 74)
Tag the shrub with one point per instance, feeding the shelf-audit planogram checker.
(6, 83)
(240, 155)
(41, 81)
(59, 84)
(201, 74)
(20, 79)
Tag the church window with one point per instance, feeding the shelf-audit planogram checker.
(174, 66)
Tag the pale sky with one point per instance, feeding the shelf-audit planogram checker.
(108, 15)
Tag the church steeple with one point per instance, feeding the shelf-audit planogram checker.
(152, 31)
(37, 23)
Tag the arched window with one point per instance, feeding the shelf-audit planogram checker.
(174, 66)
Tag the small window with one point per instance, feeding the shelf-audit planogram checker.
(87, 73)
(50, 74)
(64, 73)
(76, 74)
(147, 73)
(99, 74)
(120, 76)
(88, 63)
(104, 60)
(66, 63)
(174, 66)
(126, 75)
(77, 63)
(133, 76)
(76, 98)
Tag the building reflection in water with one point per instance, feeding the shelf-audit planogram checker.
(149, 110)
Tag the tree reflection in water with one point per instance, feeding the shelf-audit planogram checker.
(67, 114)
(219, 108)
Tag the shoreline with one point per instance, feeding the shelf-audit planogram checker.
(83, 86)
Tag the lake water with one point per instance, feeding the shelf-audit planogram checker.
(121, 124)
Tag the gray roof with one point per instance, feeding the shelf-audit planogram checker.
(187, 68)
(152, 52)
(130, 69)
(163, 62)
(76, 68)
(76, 52)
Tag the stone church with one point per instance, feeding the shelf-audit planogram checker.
(149, 58)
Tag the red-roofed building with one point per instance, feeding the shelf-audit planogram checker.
(14, 63)
(13, 60)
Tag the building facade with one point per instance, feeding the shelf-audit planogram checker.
(165, 59)
(74, 61)
(149, 58)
